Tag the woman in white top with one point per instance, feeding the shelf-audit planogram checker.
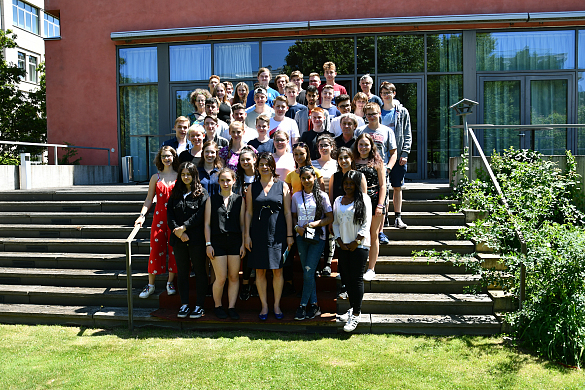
(285, 163)
(327, 164)
(352, 216)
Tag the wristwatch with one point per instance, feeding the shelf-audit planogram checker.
(359, 242)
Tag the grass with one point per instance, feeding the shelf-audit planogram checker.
(57, 357)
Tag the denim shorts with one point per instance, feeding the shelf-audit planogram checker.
(397, 175)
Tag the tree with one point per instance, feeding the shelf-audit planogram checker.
(23, 115)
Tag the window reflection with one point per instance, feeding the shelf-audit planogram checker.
(401, 54)
(274, 55)
(190, 62)
(309, 55)
(444, 53)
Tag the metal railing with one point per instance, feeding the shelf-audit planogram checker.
(463, 108)
(128, 246)
(56, 146)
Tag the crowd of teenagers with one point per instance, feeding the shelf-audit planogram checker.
(252, 178)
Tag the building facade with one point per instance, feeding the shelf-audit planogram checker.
(126, 71)
(31, 25)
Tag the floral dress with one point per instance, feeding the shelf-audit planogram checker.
(160, 233)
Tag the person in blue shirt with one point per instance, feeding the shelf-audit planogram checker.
(180, 142)
(263, 81)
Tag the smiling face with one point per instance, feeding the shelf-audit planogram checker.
(196, 137)
(280, 108)
(347, 126)
(366, 85)
(300, 156)
(327, 94)
(264, 167)
(209, 154)
(280, 83)
(314, 80)
(387, 95)
(211, 109)
(210, 127)
(307, 180)
(200, 102)
(317, 118)
(349, 187)
(324, 148)
(229, 89)
(291, 94)
(262, 127)
(237, 132)
(264, 79)
(247, 160)
(360, 104)
(181, 129)
(344, 161)
(220, 91)
(186, 177)
(280, 141)
(240, 115)
(167, 158)
(364, 147)
(298, 81)
(241, 92)
(330, 75)
(344, 106)
(260, 99)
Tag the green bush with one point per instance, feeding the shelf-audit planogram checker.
(546, 207)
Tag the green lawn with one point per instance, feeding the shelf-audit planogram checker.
(48, 357)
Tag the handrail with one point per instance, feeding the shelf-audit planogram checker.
(519, 234)
(128, 246)
(57, 146)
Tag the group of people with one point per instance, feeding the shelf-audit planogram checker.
(251, 179)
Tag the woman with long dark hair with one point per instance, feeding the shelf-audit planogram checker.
(312, 211)
(268, 230)
(185, 212)
(352, 214)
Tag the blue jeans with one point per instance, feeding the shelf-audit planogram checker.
(310, 255)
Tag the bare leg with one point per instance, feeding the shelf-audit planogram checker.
(377, 220)
(171, 276)
(261, 286)
(397, 199)
(233, 265)
(220, 267)
(277, 284)
(151, 278)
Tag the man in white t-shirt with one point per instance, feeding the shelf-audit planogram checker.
(281, 122)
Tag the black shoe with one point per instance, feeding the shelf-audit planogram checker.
(198, 312)
(313, 311)
(184, 311)
(245, 292)
(220, 313)
(233, 314)
(253, 291)
(301, 313)
(326, 271)
(288, 289)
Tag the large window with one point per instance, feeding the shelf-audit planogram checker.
(22, 62)
(401, 54)
(529, 50)
(138, 65)
(32, 69)
(51, 27)
(444, 53)
(274, 54)
(581, 113)
(25, 16)
(236, 60)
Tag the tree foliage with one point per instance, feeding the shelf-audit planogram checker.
(23, 115)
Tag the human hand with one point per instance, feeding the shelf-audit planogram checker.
(210, 252)
(184, 237)
(402, 160)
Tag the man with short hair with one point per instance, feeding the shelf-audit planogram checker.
(290, 91)
(212, 108)
(397, 118)
(262, 143)
(330, 74)
(297, 78)
(180, 141)
(343, 104)
(303, 118)
(263, 81)
(210, 126)
(213, 81)
(366, 83)
(239, 113)
(280, 81)
(310, 137)
(281, 122)
(326, 101)
(260, 107)
(315, 79)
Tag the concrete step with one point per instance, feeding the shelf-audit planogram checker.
(424, 191)
(70, 231)
(73, 277)
(421, 283)
(85, 245)
(114, 192)
(423, 304)
(58, 260)
(430, 218)
(418, 205)
(74, 296)
(406, 248)
(72, 218)
(73, 206)
(415, 232)
(435, 324)
(415, 265)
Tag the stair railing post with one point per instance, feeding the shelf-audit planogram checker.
(129, 285)
(463, 108)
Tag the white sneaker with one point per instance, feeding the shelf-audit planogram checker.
(369, 275)
(171, 288)
(347, 315)
(352, 323)
(148, 291)
(398, 224)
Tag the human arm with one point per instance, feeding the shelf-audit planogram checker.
(335, 225)
(148, 201)
(392, 159)
(207, 230)
(248, 219)
(242, 227)
(287, 216)
(382, 189)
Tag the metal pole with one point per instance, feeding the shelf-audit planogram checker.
(56, 159)
(129, 284)
(468, 146)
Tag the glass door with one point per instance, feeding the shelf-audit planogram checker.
(522, 99)
(409, 94)
(180, 104)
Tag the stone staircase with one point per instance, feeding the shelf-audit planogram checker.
(62, 261)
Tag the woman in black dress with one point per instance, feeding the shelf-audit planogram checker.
(268, 230)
